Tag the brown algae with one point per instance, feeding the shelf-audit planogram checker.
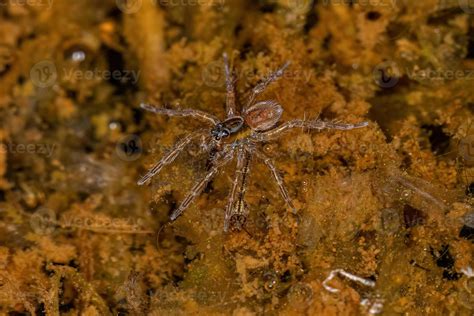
(384, 211)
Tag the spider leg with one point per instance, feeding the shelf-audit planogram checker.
(181, 112)
(199, 186)
(279, 180)
(259, 88)
(229, 84)
(238, 191)
(315, 124)
(168, 158)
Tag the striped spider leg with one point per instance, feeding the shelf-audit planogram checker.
(267, 135)
(259, 88)
(230, 89)
(277, 177)
(315, 124)
(226, 157)
(236, 212)
(181, 112)
(170, 156)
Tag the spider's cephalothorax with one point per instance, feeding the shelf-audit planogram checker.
(228, 127)
(261, 119)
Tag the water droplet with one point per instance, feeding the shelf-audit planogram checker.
(78, 56)
(114, 126)
(406, 193)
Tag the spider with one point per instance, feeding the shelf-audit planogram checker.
(238, 135)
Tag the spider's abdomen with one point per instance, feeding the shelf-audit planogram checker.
(263, 115)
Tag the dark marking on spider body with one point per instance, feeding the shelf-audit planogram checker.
(228, 127)
(238, 135)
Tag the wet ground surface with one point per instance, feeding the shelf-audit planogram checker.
(384, 221)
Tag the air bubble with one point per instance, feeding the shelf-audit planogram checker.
(270, 280)
(78, 56)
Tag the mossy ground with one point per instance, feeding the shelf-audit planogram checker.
(391, 202)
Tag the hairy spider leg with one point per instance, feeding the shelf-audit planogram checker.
(276, 175)
(320, 124)
(317, 124)
(229, 84)
(181, 112)
(259, 88)
(170, 157)
(199, 186)
(238, 191)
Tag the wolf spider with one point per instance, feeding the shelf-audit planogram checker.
(237, 135)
